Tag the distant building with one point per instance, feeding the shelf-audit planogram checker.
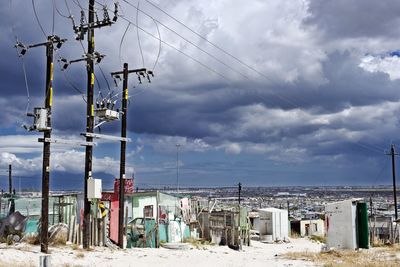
(308, 227)
(282, 194)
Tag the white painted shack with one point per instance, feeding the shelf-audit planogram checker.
(272, 224)
(345, 224)
(312, 227)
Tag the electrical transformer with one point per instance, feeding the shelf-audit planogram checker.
(107, 114)
(40, 116)
(94, 189)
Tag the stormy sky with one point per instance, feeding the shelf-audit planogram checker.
(274, 92)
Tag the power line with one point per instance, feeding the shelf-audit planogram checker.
(285, 99)
(71, 84)
(368, 147)
(197, 61)
(59, 12)
(178, 50)
(105, 78)
(137, 32)
(190, 42)
(26, 85)
(159, 46)
(22, 58)
(226, 53)
(13, 22)
(76, 2)
(37, 19)
(121, 42)
(211, 43)
(54, 16)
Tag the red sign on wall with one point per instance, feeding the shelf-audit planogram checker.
(128, 186)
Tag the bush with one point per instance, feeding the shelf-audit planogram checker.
(317, 238)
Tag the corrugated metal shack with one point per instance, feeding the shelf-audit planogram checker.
(225, 227)
(155, 217)
(383, 229)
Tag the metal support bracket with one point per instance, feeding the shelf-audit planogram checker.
(106, 137)
(66, 142)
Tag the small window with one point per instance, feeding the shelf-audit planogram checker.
(135, 202)
(148, 211)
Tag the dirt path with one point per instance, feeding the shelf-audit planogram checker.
(258, 254)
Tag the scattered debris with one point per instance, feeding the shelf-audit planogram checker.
(58, 234)
(13, 225)
(178, 246)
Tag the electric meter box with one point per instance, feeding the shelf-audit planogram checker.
(40, 122)
(94, 189)
(107, 114)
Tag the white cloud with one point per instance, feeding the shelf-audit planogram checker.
(17, 144)
(71, 161)
(389, 65)
(233, 148)
(168, 144)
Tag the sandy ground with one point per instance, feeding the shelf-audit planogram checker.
(258, 254)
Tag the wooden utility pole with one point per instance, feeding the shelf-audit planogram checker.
(89, 58)
(11, 201)
(89, 124)
(10, 179)
(393, 154)
(44, 125)
(46, 148)
(240, 190)
(122, 158)
(240, 215)
(177, 167)
(125, 95)
(370, 206)
(46, 129)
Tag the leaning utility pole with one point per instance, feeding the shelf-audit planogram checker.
(125, 95)
(393, 154)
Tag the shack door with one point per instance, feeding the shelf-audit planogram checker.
(362, 225)
(114, 220)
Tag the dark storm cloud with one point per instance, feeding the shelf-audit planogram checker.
(355, 18)
(348, 85)
(180, 112)
(320, 116)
